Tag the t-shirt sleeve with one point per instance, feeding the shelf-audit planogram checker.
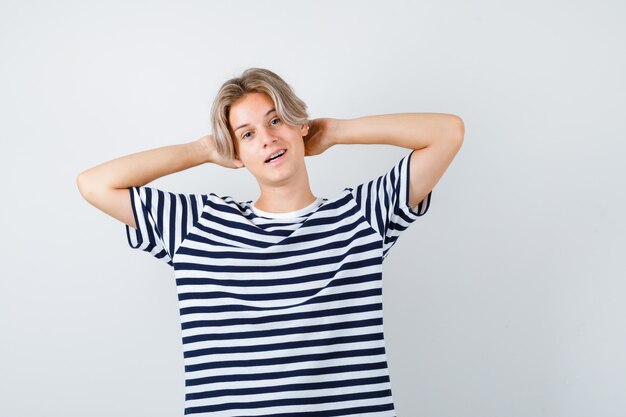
(384, 202)
(163, 220)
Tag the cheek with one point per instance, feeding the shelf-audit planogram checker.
(248, 157)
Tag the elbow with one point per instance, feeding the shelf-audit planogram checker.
(80, 184)
(458, 128)
(84, 185)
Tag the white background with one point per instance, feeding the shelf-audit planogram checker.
(505, 299)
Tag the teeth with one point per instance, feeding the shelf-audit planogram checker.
(276, 154)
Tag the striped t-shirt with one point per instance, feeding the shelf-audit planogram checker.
(281, 313)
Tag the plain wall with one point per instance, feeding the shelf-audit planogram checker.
(505, 299)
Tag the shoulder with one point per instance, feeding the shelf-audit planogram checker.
(226, 203)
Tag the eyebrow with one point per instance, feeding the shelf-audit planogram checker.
(246, 124)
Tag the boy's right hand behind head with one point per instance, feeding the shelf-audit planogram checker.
(208, 143)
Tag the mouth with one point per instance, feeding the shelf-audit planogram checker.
(278, 159)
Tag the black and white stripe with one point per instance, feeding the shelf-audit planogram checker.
(280, 317)
(384, 202)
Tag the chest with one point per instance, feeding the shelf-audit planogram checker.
(335, 255)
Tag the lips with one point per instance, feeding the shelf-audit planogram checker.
(272, 153)
(277, 161)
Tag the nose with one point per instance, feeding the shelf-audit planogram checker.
(267, 137)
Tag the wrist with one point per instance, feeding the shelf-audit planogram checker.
(340, 132)
(201, 150)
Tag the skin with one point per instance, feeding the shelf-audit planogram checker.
(284, 187)
(435, 138)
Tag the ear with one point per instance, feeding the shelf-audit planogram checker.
(238, 162)
(304, 129)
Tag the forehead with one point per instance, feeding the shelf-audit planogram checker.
(249, 109)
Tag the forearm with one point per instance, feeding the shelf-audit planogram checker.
(408, 130)
(140, 168)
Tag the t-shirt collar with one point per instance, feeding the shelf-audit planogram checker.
(289, 214)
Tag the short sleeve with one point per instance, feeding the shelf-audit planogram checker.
(163, 220)
(384, 202)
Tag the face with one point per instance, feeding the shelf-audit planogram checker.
(259, 132)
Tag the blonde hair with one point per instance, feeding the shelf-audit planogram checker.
(289, 107)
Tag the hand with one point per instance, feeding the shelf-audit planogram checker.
(208, 145)
(322, 135)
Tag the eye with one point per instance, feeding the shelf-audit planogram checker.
(244, 135)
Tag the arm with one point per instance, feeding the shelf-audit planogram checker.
(105, 186)
(435, 137)
(408, 130)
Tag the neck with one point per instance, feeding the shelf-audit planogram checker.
(291, 196)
